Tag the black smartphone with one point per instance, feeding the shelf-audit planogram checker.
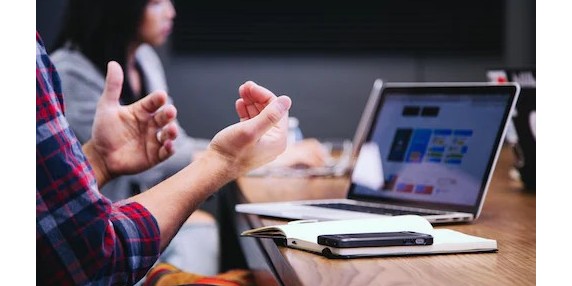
(374, 239)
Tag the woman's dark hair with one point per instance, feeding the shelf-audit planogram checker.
(102, 31)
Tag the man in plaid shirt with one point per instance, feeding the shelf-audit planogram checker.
(81, 236)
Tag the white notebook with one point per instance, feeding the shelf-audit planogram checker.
(303, 235)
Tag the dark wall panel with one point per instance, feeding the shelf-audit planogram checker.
(415, 26)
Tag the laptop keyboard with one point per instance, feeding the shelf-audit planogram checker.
(369, 209)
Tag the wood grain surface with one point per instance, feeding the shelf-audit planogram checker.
(508, 215)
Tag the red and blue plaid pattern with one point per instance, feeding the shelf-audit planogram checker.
(81, 237)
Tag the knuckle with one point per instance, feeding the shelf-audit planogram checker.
(273, 116)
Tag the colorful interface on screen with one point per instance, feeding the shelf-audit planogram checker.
(433, 148)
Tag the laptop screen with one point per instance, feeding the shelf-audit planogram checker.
(433, 146)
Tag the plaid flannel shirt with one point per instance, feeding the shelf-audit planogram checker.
(81, 237)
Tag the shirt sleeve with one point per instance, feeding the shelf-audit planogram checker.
(81, 237)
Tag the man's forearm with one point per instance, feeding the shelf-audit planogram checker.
(172, 201)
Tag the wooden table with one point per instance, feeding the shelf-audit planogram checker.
(509, 216)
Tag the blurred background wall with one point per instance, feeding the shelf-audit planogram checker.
(326, 56)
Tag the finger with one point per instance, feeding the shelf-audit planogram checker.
(257, 94)
(260, 96)
(308, 152)
(169, 132)
(317, 148)
(166, 150)
(113, 82)
(242, 89)
(312, 155)
(241, 109)
(256, 97)
(316, 159)
(152, 102)
(272, 115)
(165, 115)
(244, 92)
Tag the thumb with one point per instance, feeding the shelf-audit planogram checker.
(271, 115)
(113, 82)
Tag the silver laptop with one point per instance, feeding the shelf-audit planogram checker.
(430, 150)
